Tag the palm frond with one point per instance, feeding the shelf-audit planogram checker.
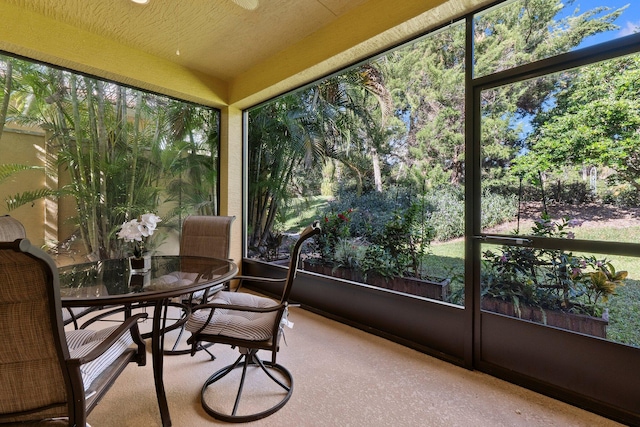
(14, 202)
(7, 170)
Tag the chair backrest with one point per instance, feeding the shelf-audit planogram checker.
(206, 236)
(11, 229)
(33, 376)
(308, 233)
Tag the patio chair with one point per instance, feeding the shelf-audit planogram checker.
(11, 229)
(203, 236)
(251, 323)
(48, 375)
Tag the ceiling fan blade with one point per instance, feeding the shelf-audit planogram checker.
(247, 4)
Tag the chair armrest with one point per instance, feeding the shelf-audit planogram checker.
(213, 306)
(131, 323)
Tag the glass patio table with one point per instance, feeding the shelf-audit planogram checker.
(109, 283)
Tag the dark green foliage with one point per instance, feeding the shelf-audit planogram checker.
(550, 279)
(446, 215)
(281, 140)
(595, 121)
(380, 261)
(374, 209)
(335, 227)
(120, 148)
(438, 215)
(621, 195)
(406, 239)
(395, 242)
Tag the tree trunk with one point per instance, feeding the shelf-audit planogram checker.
(8, 80)
(377, 176)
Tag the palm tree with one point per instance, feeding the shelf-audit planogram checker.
(280, 140)
(114, 143)
(335, 121)
(192, 159)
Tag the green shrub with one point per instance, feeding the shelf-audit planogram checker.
(378, 260)
(406, 237)
(574, 192)
(438, 215)
(497, 209)
(335, 228)
(447, 216)
(623, 195)
(349, 253)
(373, 211)
(397, 228)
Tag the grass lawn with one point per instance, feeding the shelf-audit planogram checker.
(301, 213)
(446, 259)
(624, 314)
(613, 234)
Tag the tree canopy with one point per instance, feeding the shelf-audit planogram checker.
(595, 121)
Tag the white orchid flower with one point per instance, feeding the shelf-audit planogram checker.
(137, 229)
(129, 231)
(150, 221)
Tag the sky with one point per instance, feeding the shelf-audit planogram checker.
(629, 21)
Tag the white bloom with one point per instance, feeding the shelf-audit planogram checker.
(136, 230)
(129, 231)
(150, 221)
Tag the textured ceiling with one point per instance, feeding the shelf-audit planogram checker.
(215, 37)
(214, 52)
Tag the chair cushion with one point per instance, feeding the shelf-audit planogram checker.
(77, 313)
(235, 323)
(11, 229)
(172, 280)
(82, 341)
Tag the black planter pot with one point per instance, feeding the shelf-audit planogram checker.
(438, 290)
(594, 326)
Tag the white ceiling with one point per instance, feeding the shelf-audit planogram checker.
(215, 37)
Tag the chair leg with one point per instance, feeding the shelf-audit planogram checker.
(206, 348)
(259, 361)
(175, 351)
(246, 360)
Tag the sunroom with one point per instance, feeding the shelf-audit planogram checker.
(491, 147)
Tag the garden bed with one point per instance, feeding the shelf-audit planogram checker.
(434, 289)
(594, 326)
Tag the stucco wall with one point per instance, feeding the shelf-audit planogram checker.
(24, 148)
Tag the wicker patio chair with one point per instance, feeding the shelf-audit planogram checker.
(11, 229)
(48, 375)
(251, 323)
(202, 236)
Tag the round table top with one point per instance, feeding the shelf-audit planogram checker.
(113, 281)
